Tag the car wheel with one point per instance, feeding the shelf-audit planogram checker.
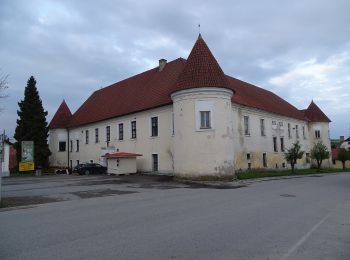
(87, 172)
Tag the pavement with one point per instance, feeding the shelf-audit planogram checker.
(145, 217)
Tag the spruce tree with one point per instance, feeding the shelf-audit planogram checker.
(32, 125)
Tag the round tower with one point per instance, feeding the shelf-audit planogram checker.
(203, 119)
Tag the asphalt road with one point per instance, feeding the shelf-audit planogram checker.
(299, 218)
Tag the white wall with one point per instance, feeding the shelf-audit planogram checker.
(123, 165)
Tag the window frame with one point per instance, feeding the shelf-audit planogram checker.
(121, 131)
(246, 125)
(108, 133)
(275, 145)
(204, 119)
(154, 120)
(133, 127)
(262, 127)
(97, 136)
(77, 144)
(60, 148)
(86, 136)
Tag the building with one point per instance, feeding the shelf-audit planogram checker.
(5, 157)
(186, 117)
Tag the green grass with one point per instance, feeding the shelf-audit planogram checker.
(262, 174)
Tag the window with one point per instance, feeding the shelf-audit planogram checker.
(304, 132)
(289, 132)
(317, 134)
(274, 124)
(62, 146)
(248, 156)
(262, 126)
(275, 144)
(307, 155)
(297, 131)
(283, 165)
(86, 136)
(133, 129)
(108, 133)
(249, 166)
(71, 146)
(264, 160)
(280, 125)
(205, 119)
(77, 162)
(154, 126)
(77, 146)
(282, 144)
(172, 123)
(246, 125)
(96, 135)
(121, 131)
(91, 161)
(155, 162)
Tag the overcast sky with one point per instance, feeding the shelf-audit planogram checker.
(298, 49)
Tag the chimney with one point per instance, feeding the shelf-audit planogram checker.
(162, 63)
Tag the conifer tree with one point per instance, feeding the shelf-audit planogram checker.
(32, 125)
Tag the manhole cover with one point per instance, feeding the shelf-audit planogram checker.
(287, 195)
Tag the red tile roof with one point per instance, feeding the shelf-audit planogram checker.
(315, 114)
(253, 96)
(153, 88)
(201, 70)
(61, 117)
(121, 154)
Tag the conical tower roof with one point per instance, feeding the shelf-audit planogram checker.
(315, 114)
(201, 69)
(61, 117)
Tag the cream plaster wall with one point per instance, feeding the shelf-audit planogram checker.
(58, 159)
(203, 152)
(143, 144)
(255, 144)
(324, 138)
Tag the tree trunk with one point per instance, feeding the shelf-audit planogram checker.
(343, 162)
(292, 165)
(319, 162)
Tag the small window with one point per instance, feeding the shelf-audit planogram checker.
(282, 144)
(317, 134)
(264, 160)
(133, 129)
(62, 146)
(307, 158)
(154, 126)
(96, 135)
(304, 136)
(249, 166)
(297, 131)
(248, 156)
(121, 131)
(283, 165)
(86, 136)
(275, 144)
(205, 119)
(108, 133)
(246, 125)
(280, 125)
(155, 162)
(71, 145)
(262, 126)
(274, 124)
(172, 123)
(77, 146)
(289, 131)
(91, 161)
(77, 162)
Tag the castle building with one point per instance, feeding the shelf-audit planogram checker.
(186, 117)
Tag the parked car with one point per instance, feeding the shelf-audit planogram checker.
(90, 168)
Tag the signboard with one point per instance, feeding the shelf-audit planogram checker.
(27, 156)
(27, 151)
(26, 166)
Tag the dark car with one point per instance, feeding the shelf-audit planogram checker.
(90, 168)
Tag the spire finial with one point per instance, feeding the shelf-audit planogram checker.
(199, 30)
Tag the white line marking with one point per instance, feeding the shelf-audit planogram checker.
(303, 239)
